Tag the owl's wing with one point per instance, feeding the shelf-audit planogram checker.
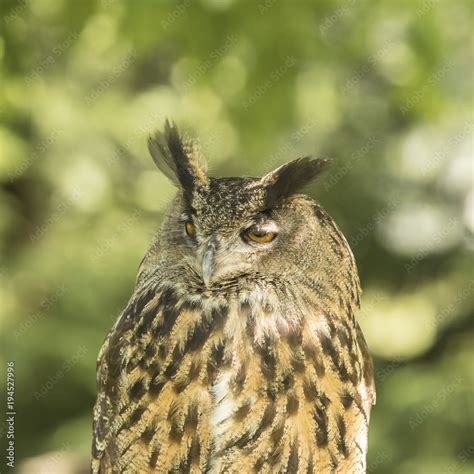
(101, 459)
(367, 370)
(152, 374)
(110, 366)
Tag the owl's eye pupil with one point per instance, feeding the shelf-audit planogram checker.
(190, 229)
(260, 236)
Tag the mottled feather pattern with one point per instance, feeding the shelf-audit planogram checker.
(260, 371)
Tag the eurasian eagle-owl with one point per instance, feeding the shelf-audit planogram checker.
(238, 350)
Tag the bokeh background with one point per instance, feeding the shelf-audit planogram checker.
(384, 88)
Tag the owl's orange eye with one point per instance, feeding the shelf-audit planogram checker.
(260, 237)
(190, 229)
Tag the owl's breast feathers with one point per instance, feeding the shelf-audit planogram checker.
(234, 383)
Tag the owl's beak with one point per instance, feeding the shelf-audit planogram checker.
(207, 263)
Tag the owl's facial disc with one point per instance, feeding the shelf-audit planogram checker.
(224, 256)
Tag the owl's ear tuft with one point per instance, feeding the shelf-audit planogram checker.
(291, 177)
(177, 159)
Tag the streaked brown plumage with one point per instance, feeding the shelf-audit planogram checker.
(239, 350)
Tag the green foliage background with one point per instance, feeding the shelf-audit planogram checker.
(383, 87)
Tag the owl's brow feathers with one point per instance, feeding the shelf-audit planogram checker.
(180, 162)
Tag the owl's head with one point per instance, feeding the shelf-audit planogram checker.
(223, 231)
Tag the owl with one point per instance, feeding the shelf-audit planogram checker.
(239, 350)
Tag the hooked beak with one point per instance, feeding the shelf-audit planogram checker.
(207, 263)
